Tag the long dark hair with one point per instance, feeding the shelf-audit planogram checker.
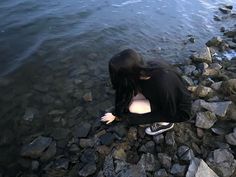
(125, 69)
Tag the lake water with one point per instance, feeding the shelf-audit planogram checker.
(55, 52)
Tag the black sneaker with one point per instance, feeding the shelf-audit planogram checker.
(156, 129)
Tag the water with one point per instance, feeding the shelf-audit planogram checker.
(54, 52)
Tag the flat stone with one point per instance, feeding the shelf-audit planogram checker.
(202, 56)
(218, 108)
(148, 162)
(82, 130)
(198, 168)
(185, 153)
(178, 170)
(88, 170)
(36, 148)
(205, 119)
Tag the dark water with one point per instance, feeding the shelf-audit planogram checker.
(54, 52)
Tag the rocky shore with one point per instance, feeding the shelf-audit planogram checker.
(80, 147)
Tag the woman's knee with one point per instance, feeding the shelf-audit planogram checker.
(140, 106)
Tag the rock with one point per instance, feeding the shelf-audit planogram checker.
(222, 162)
(178, 170)
(119, 129)
(89, 156)
(56, 112)
(200, 132)
(231, 138)
(216, 86)
(165, 160)
(202, 56)
(35, 165)
(187, 80)
(88, 170)
(120, 165)
(161, 173)
(188, 69)
(119, 154)
(103, 150)
(205, 119)
(196, 105)
(217, 18)
(231, 113)
(225, 10)
(170, 138)
(202, 91)
(82, 130)
(84, 143)
(88, 97)
(60, 133)
(132, 171)
(74, 148)
(218, 108)
(214, 42)
(148, 162)
(198, 168)
(36, 148)
(229, 87)
(158, 139)
(62, 163)
(148, 147)
(132, 134)
(185, 153)
(30, 114)
(222, 29)
(49, 153)
(107, 139)
(230, 34)
(108, 167)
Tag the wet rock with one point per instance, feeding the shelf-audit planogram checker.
(216, 18)
(88, 170)
(82, 130)
(216, 86)
(202, 56)
(231, 138)
(50, 152)
(225, 10)
(148, 147)
(108, 167)
(218, 108)
(214, 42)
(165, 160)
(188, 69)
(170, 138)
(178, 170)
(149, 162)
(222, 162)
(230, 33)
(202, 91)
(119, 154)
(84, 143)
(132, 171)
(107, 139)
(36, 148)
(161, 173)
(158, 139)
(88, 97)
(187, 80)
(88, 156)
(30, 114)
(185, 153)
(132, 134)
(205, 119)
(198, 168)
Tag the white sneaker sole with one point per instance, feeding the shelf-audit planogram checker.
(149, 132)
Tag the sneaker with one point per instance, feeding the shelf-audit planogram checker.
(156, 129)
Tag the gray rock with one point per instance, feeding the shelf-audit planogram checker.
(88, 97)
(100, 174)
(218, 108)
(229, 87)
(35, 165)
(188, 80)
(88, 170)
(60, 133)
(107, 139)
(158, 139)
(82, 130)
(148, 162)
(119, 129)
(84, 143)
(120, 165)
(205, 119)
(36, 148)
(148, 147)
(214, 42)
(189, 69)
(108, 167)
(170, 138)
(165, 160)
(185, 153)
(178, 170)
(198, 168)
(231, 113)
(132, 171)
(202, 56)
(89, 156)
(196, 105)
(161, 173)
(216, 86)
(231, 138)
(50, 152)
(222, 162)
(30, 114)
(61, 163)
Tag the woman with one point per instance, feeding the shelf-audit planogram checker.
(147, 93)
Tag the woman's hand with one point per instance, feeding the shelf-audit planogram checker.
(108, 118)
